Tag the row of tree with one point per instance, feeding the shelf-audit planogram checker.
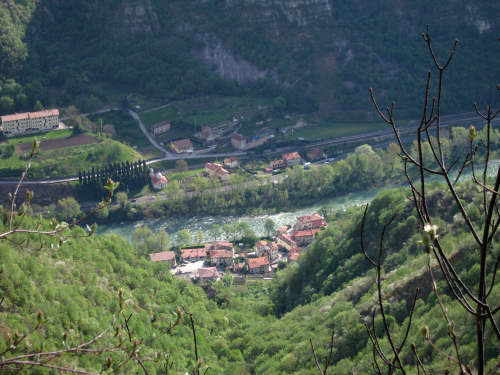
(131, 175)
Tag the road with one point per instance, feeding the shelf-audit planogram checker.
(446, 121)
(150, 138)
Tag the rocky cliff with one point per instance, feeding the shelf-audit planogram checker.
(319, 52)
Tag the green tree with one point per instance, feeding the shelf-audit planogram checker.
(215, 231)
(68, 208)
(121, 198)
(6, 104)
(158, 242)
(181, 165)
(141, 234)
(38, 106)
(270, 227)
(183, 238)
(200, 237)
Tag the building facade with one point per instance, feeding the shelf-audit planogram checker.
(160, 128)
(30, 122)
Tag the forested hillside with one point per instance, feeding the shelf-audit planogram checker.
(247, 329)
(319, 55)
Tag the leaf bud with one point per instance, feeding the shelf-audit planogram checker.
(425, 332)
(472, 132)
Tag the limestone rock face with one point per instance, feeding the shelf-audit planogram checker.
(136, 17)
(226, 64)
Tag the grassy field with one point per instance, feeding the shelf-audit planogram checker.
(128, 132)
(204, 111)
(182, 175)
(65, 160)
(325, 130)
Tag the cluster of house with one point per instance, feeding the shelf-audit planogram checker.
(303, 232)
(220, 254)
(293, 158)
(206, 136)
(287, 160)
(30, 122)
(217, 170)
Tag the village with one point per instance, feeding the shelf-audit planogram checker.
(211, 261)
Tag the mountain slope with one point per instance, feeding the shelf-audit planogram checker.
(318, 53)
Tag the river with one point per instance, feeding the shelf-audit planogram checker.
(173, 224)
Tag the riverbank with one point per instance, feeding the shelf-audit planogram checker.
(171, 225)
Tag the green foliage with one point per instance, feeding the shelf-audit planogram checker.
(156, 58)
(68, 208)
(330, 287)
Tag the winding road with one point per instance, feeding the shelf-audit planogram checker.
(458, 119)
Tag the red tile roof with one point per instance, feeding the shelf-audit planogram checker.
(291, 156)
(162, 257)
(306, 233)
(193, 253)
(217, 254)
(216, 168)
(207, 273)
(315, 154)
(303, 233)
(257, 262)
(309, 218)
(286, 238)
(261, 243)
(293, 256)
(25, 115)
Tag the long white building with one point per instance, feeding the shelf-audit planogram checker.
(30, 122)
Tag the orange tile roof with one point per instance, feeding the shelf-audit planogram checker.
(46, 113)
(26, 115)
(230, 160)
(193, 253)
(162, 256)
(257, 262)
(306, 233)
(303, 233)
(307, 218)
(291, 156)
(208, 272)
